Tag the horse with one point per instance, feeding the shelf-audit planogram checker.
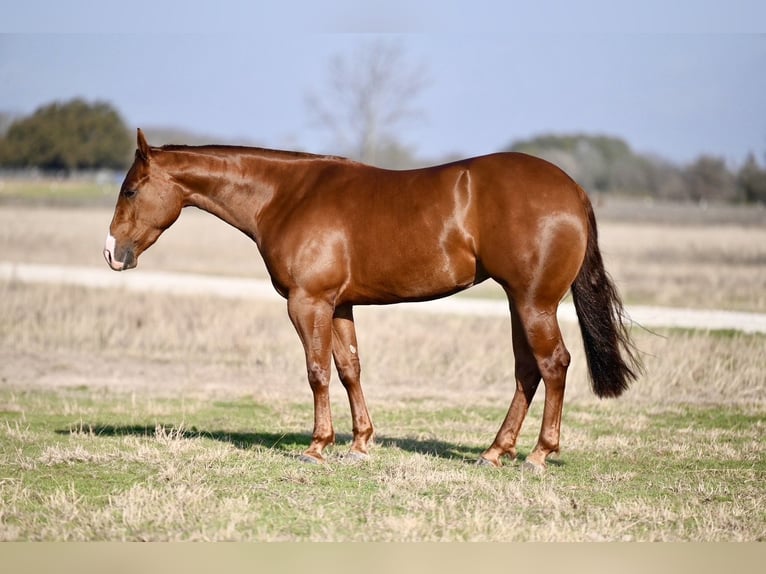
(335, 233)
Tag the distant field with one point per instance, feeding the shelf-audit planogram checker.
(135, 416)
(61, 192)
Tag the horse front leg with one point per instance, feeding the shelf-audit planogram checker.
(346, 354)
(312, 318)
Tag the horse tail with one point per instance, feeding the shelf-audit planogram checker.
(613, 362)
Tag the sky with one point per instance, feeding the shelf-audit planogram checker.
(676, 79)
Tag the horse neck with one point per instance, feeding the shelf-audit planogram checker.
(234, 184)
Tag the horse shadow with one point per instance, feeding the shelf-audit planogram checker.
(290, 444)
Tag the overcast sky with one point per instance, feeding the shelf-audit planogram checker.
(664, 78)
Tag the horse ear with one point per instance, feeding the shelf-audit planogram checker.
(143, 146)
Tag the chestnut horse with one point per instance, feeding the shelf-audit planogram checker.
(335, 233)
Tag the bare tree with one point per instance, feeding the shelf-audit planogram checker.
(368, 97)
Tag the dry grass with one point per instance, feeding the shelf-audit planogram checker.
(62, 336)
(720, 267)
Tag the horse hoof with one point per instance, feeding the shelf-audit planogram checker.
(309, 459)
(533, 468)
(353, 456)
(486, 462)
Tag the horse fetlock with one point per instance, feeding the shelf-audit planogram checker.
(547, 443)
(363, 432)
(362, 442)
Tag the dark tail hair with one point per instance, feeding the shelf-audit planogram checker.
(612, 358)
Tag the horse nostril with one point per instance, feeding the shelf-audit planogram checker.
(113, 263)
(110, 247)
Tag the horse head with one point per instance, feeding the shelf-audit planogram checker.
(149, 202)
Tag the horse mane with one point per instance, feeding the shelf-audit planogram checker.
(227, 149)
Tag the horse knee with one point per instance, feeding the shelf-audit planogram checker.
(319, 376)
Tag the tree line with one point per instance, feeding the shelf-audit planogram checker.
(78, 135)
(607, 164)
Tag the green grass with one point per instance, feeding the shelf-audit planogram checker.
(79, 464)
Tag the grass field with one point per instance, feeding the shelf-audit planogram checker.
(181, 418)
(129, 416)
(116, 467)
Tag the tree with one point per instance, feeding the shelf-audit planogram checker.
(68, 136)
(369, 96)
(6, 119)
(666, 180)
(708, 179)
(752, 180)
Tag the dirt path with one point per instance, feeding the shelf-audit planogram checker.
(232, 287)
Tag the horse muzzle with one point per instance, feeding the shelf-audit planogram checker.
(127, 259)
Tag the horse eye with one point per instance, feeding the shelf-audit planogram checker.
(129, 193)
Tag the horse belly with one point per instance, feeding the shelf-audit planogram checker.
(412, 269)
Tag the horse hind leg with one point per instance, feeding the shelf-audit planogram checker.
(527, 376)
(346, 355)
(545, 340)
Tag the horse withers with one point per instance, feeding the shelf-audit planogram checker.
(335, 233)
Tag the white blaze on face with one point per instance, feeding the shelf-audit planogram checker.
(109, 247)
